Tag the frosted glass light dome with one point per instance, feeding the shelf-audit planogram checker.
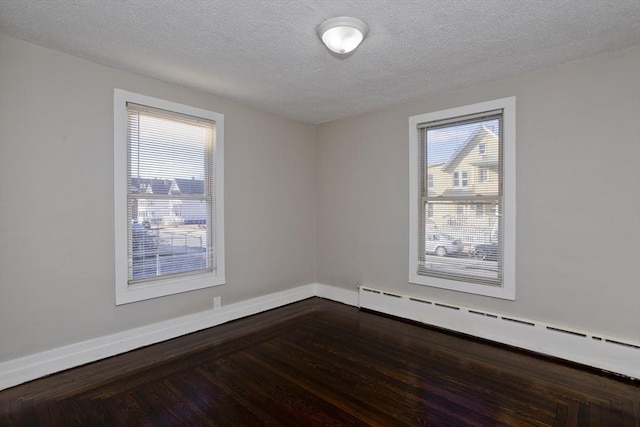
(343, 34)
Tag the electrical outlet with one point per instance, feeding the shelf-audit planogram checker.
(217, 302)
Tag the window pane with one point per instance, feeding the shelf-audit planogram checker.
(168, 148)
(453, 159)
(461, 229)
(460, 242)
(160, 246)
(170, 199)
(483, 174)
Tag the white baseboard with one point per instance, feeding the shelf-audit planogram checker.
(607, 353)
(23, 369)
(601, 352)
(345, 296)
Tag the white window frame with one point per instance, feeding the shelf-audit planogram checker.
(460, 179)
(162, 286)
(507, 289)
(483, 174)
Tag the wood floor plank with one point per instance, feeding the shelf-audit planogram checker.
(320, 363)
(456, 383)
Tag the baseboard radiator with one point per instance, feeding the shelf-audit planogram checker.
(607, 353)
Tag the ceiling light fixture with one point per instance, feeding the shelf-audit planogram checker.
(343, 34)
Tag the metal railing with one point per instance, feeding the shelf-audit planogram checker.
(168, 252)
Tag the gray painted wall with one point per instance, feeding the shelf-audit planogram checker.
(56, 202)
(578, 196)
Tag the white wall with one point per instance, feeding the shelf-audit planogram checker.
(56, 202)
(578, 196)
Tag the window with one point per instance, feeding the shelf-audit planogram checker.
(430, 180)
(429, 210)
(483, 174)
(460, 179)
(482, 148)
(168, 193)
(441, 143)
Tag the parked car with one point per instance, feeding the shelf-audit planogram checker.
(442, 244)
(486, 251)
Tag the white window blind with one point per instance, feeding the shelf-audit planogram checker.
(458, 239)
(170, 196)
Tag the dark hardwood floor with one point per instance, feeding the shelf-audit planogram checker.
(319, 363)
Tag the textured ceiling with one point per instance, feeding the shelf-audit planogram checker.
(266, 54)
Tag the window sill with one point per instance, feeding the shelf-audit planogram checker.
(126, 293)
(503, 292)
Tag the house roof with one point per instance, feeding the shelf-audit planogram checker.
(163, 186)
(478, 136)
(158, 186)
(190, 186)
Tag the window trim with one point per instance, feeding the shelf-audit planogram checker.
(483, 174)
(462, 180)
(162, 286)
(507, 289)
